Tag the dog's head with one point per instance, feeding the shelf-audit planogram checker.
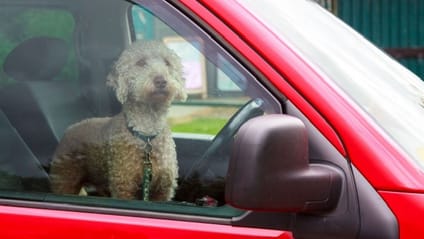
(148, 72)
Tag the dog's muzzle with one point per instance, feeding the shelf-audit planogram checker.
(161, 89)
(160, 82)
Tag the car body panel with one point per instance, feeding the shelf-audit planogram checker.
(408, 208)
(42, 223)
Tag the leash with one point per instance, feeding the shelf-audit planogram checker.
(147, 163)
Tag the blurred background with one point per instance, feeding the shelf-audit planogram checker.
(396, 26)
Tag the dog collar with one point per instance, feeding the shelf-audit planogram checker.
(144, 137)
(147, 169)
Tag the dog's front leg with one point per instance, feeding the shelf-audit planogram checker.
(66, 174)
(124, 177)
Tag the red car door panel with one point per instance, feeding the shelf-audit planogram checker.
(42, 223)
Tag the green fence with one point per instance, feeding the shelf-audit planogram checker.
(397, 26)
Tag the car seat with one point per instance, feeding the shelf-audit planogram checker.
(38, 105)
(19, 168)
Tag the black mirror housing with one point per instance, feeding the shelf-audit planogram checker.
(269, 169)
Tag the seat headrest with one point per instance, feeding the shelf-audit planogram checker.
(37, 59)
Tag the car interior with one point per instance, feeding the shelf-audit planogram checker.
(39, 101)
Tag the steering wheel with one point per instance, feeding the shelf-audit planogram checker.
(212, 166)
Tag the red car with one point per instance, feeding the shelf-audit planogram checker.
(295, 126)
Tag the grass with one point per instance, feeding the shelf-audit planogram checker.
(200, 126)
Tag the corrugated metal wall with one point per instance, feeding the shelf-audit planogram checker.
(394, 25)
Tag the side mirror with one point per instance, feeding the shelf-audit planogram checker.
(269, 169)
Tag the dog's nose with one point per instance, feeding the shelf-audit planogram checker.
(159, 82)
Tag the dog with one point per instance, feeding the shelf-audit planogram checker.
(130, 155)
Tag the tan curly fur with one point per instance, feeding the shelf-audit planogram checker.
(104, 153)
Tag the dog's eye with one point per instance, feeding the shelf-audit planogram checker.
(141, 62)
(167, 62)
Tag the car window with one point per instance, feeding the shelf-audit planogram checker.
(139, 115)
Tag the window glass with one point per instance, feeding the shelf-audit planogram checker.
(28, 37)
(140, 115)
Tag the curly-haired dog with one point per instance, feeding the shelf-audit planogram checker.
(119, 154)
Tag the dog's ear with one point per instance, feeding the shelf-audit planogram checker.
(120, 86)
